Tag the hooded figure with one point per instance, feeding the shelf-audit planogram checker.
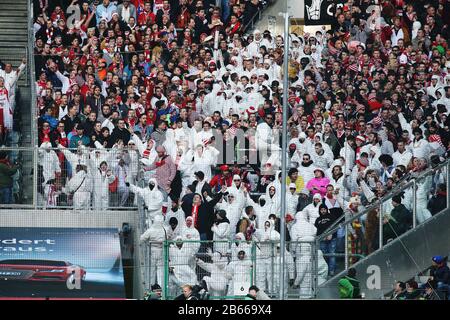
(191, 234)
(180, 261)
(102, 177)
(240, 244)
(261, 210)
(289, 272)
(50, 169)
(81, 185)
(155, 236)
(312, 209)
(239, 272)
(303, 232)
(221, 232)
(265, 257)
(153, 198)
(233, 210)
(217, 282)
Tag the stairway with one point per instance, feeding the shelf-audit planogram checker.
(13, 47)
(399, 260)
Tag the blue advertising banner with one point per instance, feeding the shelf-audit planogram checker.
(61, 263)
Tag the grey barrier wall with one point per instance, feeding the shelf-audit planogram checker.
(399, 260)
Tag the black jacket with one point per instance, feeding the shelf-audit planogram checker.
(440, 274)
(206, 216)
(437, 204)
(323, 222)
(206, 188)
(117, 134)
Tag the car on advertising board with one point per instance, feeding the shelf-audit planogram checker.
(39, 270)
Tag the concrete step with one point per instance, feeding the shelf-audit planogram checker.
(17, 37)
(14, 6)
(6, 14)
(13, 33)
(13, 24)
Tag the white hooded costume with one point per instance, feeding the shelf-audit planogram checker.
(155, 236)
(218, 280)
(303, 232)
(153, 199)
(265, 257)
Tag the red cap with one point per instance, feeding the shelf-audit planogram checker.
(224, 168)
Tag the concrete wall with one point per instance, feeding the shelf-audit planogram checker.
(66, 218)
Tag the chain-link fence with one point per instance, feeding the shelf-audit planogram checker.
(83, 178)
(174, 263)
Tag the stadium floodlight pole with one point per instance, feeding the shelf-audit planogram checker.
(283, 156)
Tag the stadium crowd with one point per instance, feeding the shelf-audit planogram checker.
(171, 90)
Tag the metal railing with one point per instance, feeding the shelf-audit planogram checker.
(174, 263)
(54, 185)
(371, 229)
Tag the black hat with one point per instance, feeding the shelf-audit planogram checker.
(200, 174)
(397, 198)
(222, 213)
(156, 287)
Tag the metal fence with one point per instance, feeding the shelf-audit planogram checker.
(228, 276)
(357, 236)
(62, 178)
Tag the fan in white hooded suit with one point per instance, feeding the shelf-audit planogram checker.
(262, 211)
(217, 282)
(303, 232)
(155, 236)
(180, 261)
(153, 198)
(191, 234)
(50, 168)
(239, 272)
(81, 186)
(289, 272)
(233, 210)
(101, 178)
(265, 258)
(215, 100)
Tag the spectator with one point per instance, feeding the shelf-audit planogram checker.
(6, 181)
(440, 274)
(399, 291)
(349, 286)
(438, 202)
(398, 222)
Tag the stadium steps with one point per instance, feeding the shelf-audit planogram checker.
(399, 260)
(13, 47)
(14, 34)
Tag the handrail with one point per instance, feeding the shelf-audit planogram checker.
(399, 188)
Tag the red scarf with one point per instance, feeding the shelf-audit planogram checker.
(194, 213)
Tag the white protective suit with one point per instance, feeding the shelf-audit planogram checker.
(218, 280)
(101, 181)
(303, 232)
(322, 272)
(239, 272)
(153, 199)
(81, 185)
(266, 238)
(240, 245)
(289, 272)
(423, 189)
(155, 236)
(221, 232)
(233, 211)
(312, 209)
(180, 261)
(191, 234)
(50, 167)
(262, 212)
